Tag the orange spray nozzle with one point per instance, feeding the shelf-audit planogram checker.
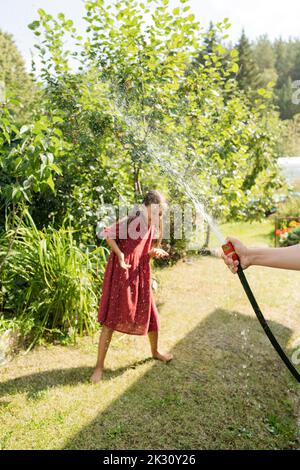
(228, 249)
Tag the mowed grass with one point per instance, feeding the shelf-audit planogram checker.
(253, 233)
(225, 389)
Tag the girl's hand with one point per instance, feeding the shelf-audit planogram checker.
(243, 253)
(122, 262)
(158, 253)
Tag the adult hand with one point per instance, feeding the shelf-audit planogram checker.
(243, 253)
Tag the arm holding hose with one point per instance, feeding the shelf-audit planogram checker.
(238, 257)
(283, 258)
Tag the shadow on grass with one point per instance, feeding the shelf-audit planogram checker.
(35, 384)
(226, 388)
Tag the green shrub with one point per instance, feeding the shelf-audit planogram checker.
(292, 237)
(49, 284)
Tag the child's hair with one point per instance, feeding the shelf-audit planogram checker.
(155, 197)
(151, 197)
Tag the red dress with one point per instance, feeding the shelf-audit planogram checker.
(127, 303)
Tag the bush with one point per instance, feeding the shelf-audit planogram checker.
(288, 219)
(49, 284)
(292, 237)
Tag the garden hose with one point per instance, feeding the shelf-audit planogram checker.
(228, 249)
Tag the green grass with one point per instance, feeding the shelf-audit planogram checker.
(225, 389)
(255, 233)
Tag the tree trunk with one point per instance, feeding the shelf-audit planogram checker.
(207, 237)
(137, 184)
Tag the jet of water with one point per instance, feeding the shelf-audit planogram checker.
(161, 156)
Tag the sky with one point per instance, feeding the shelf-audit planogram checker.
(272, 17)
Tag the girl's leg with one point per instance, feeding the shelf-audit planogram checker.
(104, 341)
(153, 329)
(153, 338)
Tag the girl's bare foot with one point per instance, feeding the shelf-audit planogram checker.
(97, 376)
(165, 357)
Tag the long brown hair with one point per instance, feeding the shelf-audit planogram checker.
(155, 197)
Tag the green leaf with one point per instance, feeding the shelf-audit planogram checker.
(34, 25)
(23, 191)
(16, 193)
(57, 119)
(261, 91)
(55, 168)
(24, 129)
(235, 68)
(6, 135)
(50, 183)
(58, 132)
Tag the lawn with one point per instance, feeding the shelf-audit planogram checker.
(255, 233)
(225, 389)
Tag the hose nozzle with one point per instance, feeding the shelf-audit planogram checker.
(228, 249)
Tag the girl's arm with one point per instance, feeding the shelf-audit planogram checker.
(157, 253)
(110, 233)
(283, 258)
(115, 248)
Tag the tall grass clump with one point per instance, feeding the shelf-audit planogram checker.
(49, 284)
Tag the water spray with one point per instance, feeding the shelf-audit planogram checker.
(159, 153)
(228, 249)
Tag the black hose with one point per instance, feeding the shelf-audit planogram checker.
(265, 325)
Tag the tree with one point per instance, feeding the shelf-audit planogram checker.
(295, 69)
(140, 110)
(291, 140)
(265, 59)
(248, 75)
(16, 82)
(284, 99)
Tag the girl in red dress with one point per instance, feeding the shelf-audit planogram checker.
(127, 304)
